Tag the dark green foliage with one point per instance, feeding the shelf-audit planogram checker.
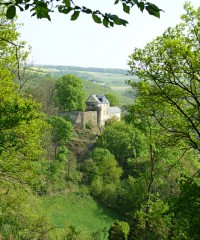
(130, 195)
(119, 231)
(61, 131)
(105, 166)
(11, 12)
(70, 95)
(123, 141)
(186, 209)
(42, 9)
(102, 174)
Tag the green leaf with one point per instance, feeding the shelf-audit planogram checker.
(77, 7)
(88, 11)
(27, 6)
(21, 8)
(75, 15)
(105, 22)
(119, 21)
(111, 24)
(124, 22)
(96, 18)
(136, 1)
(152, 9)
(66, 10)
(117, 1)
(48, 17)
(60, 9)
(67, 3)
(126, 8)
(11, 12)
(141, 6)
(19, 2)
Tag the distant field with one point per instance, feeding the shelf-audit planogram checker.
(98, 81)
(82, 212)
(120, 88)
(107, 78)
(119, 91)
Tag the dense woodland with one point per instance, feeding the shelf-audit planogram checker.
(144, 170)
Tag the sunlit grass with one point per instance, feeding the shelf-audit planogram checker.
(82, 212)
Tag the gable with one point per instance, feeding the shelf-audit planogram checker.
(97, 99)
(92, 99)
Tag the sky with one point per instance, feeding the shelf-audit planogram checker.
(87, 44)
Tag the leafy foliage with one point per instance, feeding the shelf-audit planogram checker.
(69, 93)
(123, 141)
(186, 209)
(167, 97)
(21, 129)
(112, 99)
(61, 131)
(102, 173)
(169, 71)
(119, 230)
(42, 9)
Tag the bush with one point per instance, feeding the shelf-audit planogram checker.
(119, 230)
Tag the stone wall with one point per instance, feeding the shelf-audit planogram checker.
(90, 117)
(80, 119)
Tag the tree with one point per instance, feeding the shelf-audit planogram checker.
(44, 93)
(21, 124)
(123, 141)
(168, 68)
(102, 173)
(104, 165)
(157, 170)
(61, 131)
(22, 127)
(112, 99)
(42, 9)
(168, 91)
(70, 95)
(186, 209)
(119, 230)
(13, 51)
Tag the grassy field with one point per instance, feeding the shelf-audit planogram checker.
(82, 212)
(95, 82)
(120, 92)
(109, 78)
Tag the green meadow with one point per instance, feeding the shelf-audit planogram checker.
(83, 212)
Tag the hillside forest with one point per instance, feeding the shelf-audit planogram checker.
(134, 179)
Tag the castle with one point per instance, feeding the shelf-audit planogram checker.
(98, 111)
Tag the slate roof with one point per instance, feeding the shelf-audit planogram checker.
(113, 110)
(99, 98)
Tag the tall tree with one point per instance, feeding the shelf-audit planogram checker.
(157, 168)
(168, 68)
(61, 131)
(70, 95)
(21, 153)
